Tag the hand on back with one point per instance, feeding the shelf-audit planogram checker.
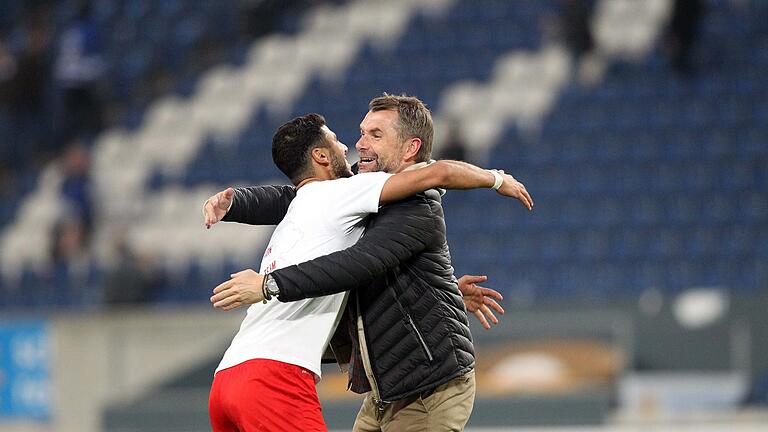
(217, 206)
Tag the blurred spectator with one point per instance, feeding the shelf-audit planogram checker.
(135, 277)
(67, 277)
(69, 245)
(78, 71)
(260, 17)
(454, 148)
(574, 23)
(7, 72)
(76, 186)
(24, 78)
(572, 27)
(682, 34)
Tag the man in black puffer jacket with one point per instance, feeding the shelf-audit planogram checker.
(409, 346)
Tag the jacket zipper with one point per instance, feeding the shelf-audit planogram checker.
(367, 361)
(409, 322)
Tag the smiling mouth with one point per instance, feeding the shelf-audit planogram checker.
(366, 161)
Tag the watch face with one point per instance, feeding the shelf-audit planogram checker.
(272, 285)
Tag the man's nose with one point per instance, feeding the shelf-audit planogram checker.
(361, 144)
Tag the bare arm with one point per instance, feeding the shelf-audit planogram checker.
(448, 174)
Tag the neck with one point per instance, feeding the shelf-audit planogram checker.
(414, 166)
(306, 181)
(404, 166)
(318, 173)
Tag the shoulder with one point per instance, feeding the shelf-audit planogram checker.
(365, 179)
(415, 205)
(427, 201)
(354, 185)
(413, 217)
(423, 209)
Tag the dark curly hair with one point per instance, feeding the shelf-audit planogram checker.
(294, 141)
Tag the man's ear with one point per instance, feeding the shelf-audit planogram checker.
(412, 148)
(321, 156)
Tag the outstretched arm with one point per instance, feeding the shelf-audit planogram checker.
(256, 205)
(402, 230)
(267, 205)
(448, 174)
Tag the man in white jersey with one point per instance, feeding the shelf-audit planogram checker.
(266, 379)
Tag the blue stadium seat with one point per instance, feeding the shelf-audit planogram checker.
(646, 180)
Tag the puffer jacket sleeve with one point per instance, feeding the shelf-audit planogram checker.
(260, 205)
(401, 230)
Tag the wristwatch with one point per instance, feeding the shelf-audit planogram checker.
(270, 287)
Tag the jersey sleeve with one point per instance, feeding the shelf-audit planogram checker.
(359, 195)
(260, 205)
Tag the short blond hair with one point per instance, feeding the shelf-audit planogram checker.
(414, 120)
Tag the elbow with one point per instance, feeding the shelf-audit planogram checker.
(442, 175)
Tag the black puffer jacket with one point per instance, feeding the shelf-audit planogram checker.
(414, 346)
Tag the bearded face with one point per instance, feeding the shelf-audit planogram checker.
(340, 166)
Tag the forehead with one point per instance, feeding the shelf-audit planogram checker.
(379, 119)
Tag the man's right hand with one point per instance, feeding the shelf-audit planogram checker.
(217, 206)
(244, 288)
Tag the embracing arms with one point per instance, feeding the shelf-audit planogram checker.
(402, 230)
(255, 205)
(378, 250)
(267, 205)
(447, 174)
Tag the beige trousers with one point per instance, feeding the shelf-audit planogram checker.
(446, 409)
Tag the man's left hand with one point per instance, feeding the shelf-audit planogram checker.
(243, 289)
(480, 300)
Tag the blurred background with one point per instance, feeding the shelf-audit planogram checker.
(636, 291)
